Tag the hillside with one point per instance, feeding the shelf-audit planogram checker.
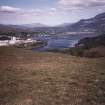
(92, 47)
(92, 42)
(42, 78)
(96, 23)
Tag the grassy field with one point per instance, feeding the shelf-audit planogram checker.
(44, 78)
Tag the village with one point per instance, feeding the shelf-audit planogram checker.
(13, 40)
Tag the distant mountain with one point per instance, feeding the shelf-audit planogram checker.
(64, 25)
(20, 28)
(96, 23)
(12, 28)
(31, 28)
(33, 25)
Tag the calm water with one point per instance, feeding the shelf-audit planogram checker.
(57, 42)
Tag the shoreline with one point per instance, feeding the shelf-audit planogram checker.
(31, 45)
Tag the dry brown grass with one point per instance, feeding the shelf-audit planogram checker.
(41, 78)
(95, 52)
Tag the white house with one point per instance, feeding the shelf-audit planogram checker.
(6, 40)
(12, 41)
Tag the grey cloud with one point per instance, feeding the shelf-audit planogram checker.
(80, 4)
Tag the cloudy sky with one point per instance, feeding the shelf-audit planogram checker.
(49, 12)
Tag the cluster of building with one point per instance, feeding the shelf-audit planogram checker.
(11, 40)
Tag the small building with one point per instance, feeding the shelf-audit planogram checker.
(7, 40)
(4, 40)
(13, 40)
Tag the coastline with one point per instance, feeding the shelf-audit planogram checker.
(32, 45)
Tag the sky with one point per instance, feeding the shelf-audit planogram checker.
(48, 12)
